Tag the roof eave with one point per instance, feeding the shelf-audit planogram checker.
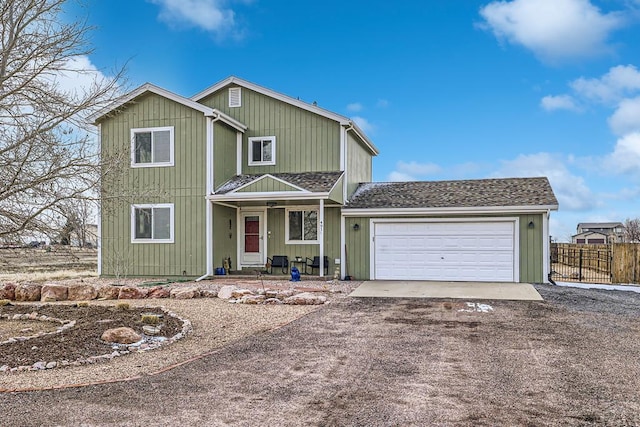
(267, 196)
(475, 210)
(149, 87)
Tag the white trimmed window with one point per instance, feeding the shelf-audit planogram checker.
(301, 226)
(152, 147)
(235, 97)
(152, 223)
(262, 150)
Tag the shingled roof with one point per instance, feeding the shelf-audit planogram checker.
(315, 182)
(449, 194)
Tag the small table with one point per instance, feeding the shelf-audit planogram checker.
(302, 265)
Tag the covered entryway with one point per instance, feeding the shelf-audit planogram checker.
(483, 249)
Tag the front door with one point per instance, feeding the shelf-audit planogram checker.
(252, 239)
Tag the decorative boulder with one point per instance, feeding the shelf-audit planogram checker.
(185, 293)
(52, 292)
(226, 292)
(82, 293)
(252, 299)
(8, 291)
(158, 292)
(208, 293)
(121, 335)
(306, 298)
(108, 292)
(28, 292)
(132, 292)
(239, 293)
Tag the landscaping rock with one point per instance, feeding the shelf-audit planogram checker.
(108, 292)
(121, 335)
(185, 293)
(208, 293)
(226, 292)
(285, 293)
(158, 292)
(239, 293)
(28, 292)
(132, 292)
(272, 301)
(82, 293)
(8, 291)
(151, 330)
(51, 292)
(252, 299)
(306, 298)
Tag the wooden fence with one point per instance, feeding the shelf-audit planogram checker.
(613, 263)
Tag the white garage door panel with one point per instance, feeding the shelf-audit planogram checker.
(480, 251)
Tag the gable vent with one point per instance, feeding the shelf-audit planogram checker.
(235, 97)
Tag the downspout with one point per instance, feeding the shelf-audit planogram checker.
(546, 270)
(209, 207)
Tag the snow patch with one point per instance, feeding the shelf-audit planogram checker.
(476, 307)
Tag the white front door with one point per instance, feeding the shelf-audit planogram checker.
(252, 238)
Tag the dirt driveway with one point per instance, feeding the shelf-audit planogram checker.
(571, 360)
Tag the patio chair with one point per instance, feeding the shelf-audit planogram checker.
(315, 263)
(280, 261)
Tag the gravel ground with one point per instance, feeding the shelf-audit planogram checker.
(571, 360)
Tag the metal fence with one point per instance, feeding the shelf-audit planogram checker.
(581, 263)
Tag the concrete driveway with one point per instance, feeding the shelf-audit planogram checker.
(455, 290)
(570, 360)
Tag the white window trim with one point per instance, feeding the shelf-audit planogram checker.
(286, 225)
(239, 90)
(151, 206)
(171, 161)
(273, 150)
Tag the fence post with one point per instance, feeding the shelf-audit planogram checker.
(580, 267)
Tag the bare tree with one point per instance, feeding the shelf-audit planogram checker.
(48, 154)
(632, 230)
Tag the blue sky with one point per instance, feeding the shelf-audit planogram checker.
(445, 89)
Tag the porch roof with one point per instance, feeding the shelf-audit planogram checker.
(307, 182)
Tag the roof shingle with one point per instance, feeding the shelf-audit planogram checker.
(449, 194)
(315, 182)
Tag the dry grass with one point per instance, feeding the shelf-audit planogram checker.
(40, 265)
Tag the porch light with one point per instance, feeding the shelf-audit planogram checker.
(531, 224)
(356, 227)
(271, 204)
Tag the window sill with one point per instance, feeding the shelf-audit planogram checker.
(151, 165)
(155, 241)
(302, 242)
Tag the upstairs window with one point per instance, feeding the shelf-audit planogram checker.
(151, 147)
(152, 223)
(235, 97)
(262, 151)
(302, 226)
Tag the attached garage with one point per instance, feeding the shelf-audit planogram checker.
(485, 230)
(468, 250)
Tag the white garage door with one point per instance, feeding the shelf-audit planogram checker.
(451, 251)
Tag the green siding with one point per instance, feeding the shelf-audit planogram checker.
(336, 194)
(183, 185)
(224, 236)
(276, 237)
(224, 153)
(305, 141)
(531, 253)
(267, 185)
(359, 162)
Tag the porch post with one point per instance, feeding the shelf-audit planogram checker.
(321, 236)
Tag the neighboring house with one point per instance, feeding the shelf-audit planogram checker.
(245, 173)
(599, 233)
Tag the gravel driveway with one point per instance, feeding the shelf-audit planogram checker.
(571, 360)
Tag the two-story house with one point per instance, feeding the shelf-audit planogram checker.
(599, 233)
(243, 173)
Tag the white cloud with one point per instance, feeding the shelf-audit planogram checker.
(78, 74)
(626, 118)
(625, 157)
(354, 107)
(559, 102)
(553, 29)
(620, 81)
(208, 15)
(571, 191)
(413, 171)
(363, 124)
